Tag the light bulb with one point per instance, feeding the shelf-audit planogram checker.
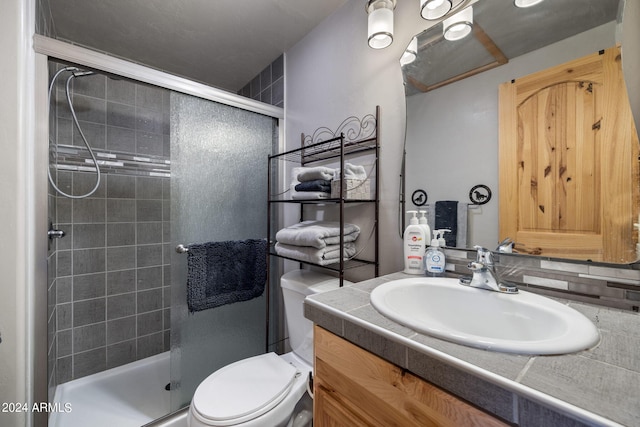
(459, 25)
(380, 23)
(434, 9)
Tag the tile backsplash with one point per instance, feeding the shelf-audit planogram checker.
(607, 285)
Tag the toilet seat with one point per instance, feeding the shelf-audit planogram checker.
(243, 390)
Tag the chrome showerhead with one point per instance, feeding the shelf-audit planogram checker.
(76, 72)
(80, 73)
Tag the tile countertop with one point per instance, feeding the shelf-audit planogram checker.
(596, 387)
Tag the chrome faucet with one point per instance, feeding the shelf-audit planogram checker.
(485, 275)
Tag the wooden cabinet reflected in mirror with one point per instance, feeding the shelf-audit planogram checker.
(568, 155)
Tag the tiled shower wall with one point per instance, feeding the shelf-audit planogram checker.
(268, 86)
(111, 287)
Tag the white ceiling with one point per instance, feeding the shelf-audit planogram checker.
(223, 43)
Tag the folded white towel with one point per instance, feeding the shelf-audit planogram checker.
(317, 234)
(294, 176)
(310, 174)
(351, 171)
(303, 195)
(327, 255)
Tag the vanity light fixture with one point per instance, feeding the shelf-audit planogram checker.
(411, 53)
(434, 9)
(459, 25)
(380, 22)
(527, 3)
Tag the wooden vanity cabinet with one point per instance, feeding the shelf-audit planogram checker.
(353, 387)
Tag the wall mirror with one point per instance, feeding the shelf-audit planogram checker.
(453, 103)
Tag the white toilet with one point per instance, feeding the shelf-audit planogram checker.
(265, 390)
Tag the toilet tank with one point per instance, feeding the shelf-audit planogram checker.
(296, 285)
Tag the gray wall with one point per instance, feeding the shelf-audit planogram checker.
(112, 269)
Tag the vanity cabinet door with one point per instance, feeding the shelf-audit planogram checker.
(356, 388)
(329, 412)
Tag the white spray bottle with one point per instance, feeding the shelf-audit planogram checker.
(414, 246)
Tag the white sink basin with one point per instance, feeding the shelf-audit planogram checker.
(522, 323)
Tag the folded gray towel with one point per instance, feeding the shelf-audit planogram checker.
(323, 185)
(225, 272)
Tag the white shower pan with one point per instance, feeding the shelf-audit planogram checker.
(127, 396)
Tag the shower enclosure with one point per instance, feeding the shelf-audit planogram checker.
(175, 169)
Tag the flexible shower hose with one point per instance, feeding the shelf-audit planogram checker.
(73, 70)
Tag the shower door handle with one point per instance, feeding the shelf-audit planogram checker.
(55, 234)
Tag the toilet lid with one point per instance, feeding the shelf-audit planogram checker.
(244, 390)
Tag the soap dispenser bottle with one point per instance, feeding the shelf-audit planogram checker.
(441, 241)
(414, 246)
(425, 225)
(434, 260)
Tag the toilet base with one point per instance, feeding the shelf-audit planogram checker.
(303, 413)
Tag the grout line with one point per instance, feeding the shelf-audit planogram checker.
(525, 369)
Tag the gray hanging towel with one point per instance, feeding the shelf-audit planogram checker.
(452, 215)
(222, 273)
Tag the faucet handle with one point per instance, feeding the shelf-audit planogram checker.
(476, 266)
(484, 255)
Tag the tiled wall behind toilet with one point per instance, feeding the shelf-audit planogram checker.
(112, 268)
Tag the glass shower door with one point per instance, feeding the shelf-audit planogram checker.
(218, 193)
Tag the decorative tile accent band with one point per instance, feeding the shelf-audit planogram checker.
(70, 157)
(611, 279)
(545, 282)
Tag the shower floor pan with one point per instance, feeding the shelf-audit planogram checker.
(127, 396)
